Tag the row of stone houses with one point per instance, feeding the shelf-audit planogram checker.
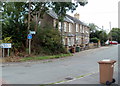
(74, 31)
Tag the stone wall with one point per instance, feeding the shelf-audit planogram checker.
(93, 45)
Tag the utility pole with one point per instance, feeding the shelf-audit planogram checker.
(29, 16)
(61, 32)
(110, 31)
(29, 42)
(103, 34)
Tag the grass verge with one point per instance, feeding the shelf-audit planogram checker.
(45, 57)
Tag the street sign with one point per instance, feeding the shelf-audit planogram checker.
(6, 45)
(32, 32)
(29, 36)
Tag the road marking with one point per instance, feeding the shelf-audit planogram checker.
(76, 78)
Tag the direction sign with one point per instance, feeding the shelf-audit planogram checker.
(29, 36)
(6, 45)
(32, 32)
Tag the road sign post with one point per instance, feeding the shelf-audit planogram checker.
(8, 46)
(3, 53)
(29, 37)
(8, 52)
(29, 46)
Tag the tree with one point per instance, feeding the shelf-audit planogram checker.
(13, 16)
(102, 36)
(96, 32)
(115, 34)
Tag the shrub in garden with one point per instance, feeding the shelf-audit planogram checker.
(94, 40)
(47, 41)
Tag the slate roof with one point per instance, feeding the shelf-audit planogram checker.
(67, 18)
(77, 21)
(55, 16)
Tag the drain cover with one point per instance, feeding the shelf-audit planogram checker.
(69, 78)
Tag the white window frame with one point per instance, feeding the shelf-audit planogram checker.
(77, 27)
(65, 27)
(80, 28)
(83, 30)
(70, 27)
(59, 25)
(77, 39)
(69, 42)
(63, 41)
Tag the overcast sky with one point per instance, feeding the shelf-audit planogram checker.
(100, 12)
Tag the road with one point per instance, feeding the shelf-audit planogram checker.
(57, 70)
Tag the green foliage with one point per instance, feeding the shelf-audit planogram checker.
(7, 40)
(47, 41)
(45, 57)
(0, 41)
(94, 40)
(13, 25)
(115, 32)
(61, 8)
(102, 36)
(96, 32)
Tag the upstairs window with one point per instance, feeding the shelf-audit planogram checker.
(81, 28)
(65, 26)
(70, 27)
(77, 27)
(59, 26)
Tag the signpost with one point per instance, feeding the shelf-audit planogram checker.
(8, 46)
(29, 37)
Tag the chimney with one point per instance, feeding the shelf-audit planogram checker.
(77, 15)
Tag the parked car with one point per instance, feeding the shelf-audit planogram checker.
(113, 42)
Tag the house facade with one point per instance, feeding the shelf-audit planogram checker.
(74, 32)
(81, 31)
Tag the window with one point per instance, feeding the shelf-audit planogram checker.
(83, 29)
(63, 41)
(59, 25)
(65, 26)
(54, 23)
(77, 40)
(70, 28)
(77, 28)
(70, 41)
(80, 28)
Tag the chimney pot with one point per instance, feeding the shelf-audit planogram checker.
(77, 15)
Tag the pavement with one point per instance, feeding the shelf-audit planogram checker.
(81, 68)
(88, 79)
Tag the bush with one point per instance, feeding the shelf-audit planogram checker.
(47, 41)
(94, 40)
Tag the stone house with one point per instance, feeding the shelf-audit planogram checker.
(81, 31)
(74, 31)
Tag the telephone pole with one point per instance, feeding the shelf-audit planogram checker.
(103, 34)
(29, 40)
(110, 31)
